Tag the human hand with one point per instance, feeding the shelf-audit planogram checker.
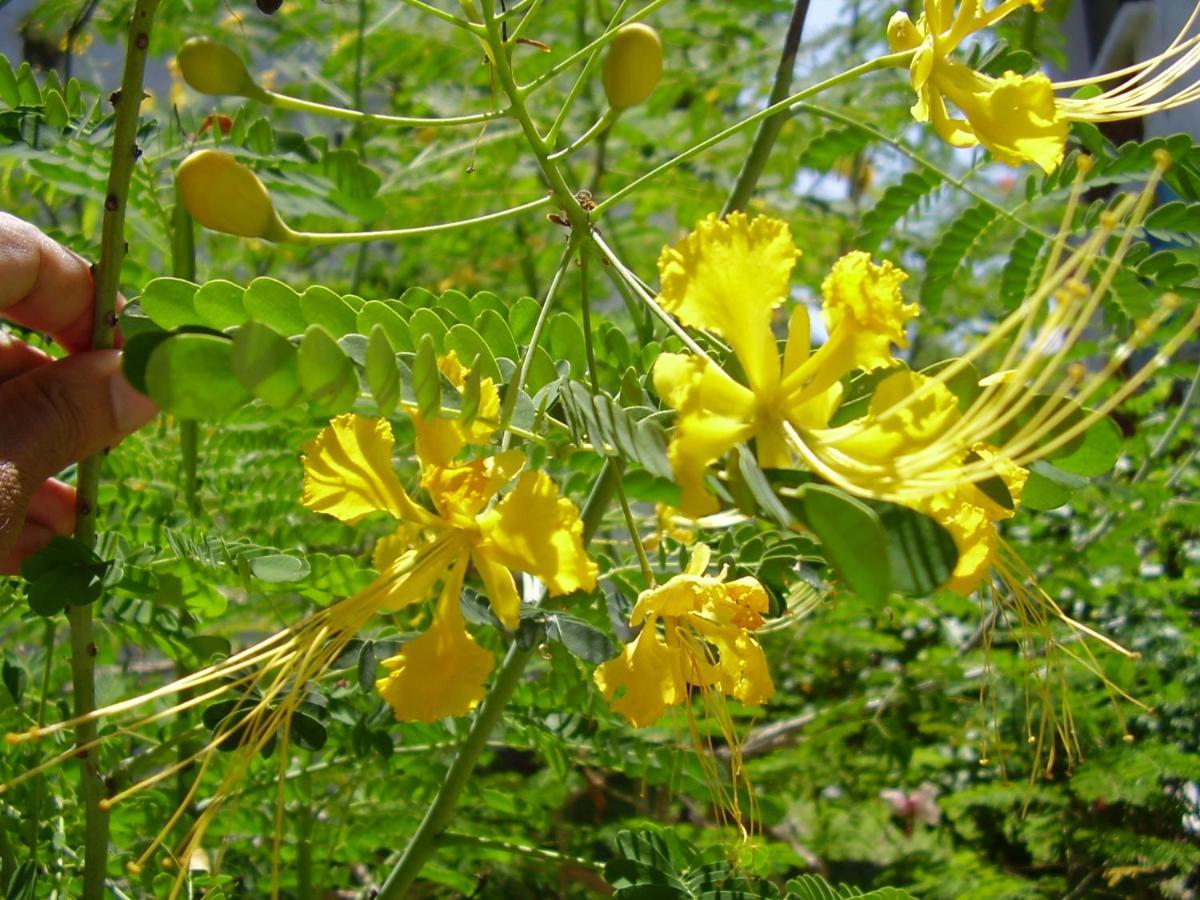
(52, 412)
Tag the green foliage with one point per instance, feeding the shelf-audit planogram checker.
(878, 674)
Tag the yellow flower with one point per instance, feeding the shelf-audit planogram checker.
(873, 450)
(1020, 118)
(348, 475)
(919, 446)
(705, 643)
(728, 276)
(530, 530)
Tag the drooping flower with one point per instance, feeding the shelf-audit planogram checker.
(965, 463)
(1021, 118)
(706, 644)
(728, 277)
(532, 529)
(348, 475)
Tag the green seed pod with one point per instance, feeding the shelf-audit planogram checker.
(632, 66)
(223, 195)
(212, 68)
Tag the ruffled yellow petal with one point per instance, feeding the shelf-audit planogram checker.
(441, 673)
(728, 276)
(1016, 117)
(460, 492)
(741, 666)
(715, 414)
(348, 472)
(439, 440)
(648, 673)
(535, 530)
(974, 537)
(865, 309)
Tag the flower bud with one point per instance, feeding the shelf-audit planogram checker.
(632, 66)
(223, 195)
(212, 68)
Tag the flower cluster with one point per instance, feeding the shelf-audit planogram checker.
(1021, 118)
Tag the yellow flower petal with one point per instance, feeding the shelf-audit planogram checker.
(741, 666)
(441, 673)
(535, 530)
(974, 538)
(865, 309)
(728, 276)
(650, 676)
(681, 595)
(883, 436)
(348, 472)
(1016, 117)
(461, 491)
(715, 414)
(500, 588)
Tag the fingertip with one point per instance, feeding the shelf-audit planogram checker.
(131, 408)
(53, 506)
(33, 537)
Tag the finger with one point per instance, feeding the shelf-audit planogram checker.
(45, 286)
(17, 357)
(33, 537)
(53, 506)
(56, 414)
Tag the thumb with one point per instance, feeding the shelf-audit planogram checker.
(54, 415)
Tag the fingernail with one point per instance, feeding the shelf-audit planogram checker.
(131, 408)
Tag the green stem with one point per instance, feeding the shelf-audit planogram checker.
(39, 789)
(598, 128)
(429, 833)
(487, 843)
(518, 383)
(183, 265)
(454, 20)
(585, 305)
(319, 239)
(304, 854)
(282, 101)
(768, 129)
(525, 20)
(874, 65)
(108, 276)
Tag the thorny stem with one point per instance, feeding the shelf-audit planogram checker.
(430, 832)
(107, 279)
(768, 129)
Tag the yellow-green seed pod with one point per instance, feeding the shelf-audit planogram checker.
(632, 66)
(223, 195)
(212, 68)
